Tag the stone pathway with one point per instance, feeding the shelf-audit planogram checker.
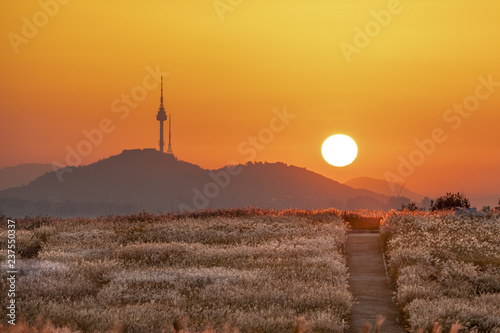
(369, 285)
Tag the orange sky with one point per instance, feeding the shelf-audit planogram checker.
(227, 75)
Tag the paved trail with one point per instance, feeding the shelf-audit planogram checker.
(369, 285)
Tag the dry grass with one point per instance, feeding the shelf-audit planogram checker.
(445, 268)
(257, 271)
(179, 326)
(247, 270)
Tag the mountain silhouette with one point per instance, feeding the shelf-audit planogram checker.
(22, 174)
(145, 179)
(383, 187)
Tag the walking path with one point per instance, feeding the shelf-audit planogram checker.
(369, 285)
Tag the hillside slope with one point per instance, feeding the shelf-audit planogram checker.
(153, 181)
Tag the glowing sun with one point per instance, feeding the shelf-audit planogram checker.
(339, 150)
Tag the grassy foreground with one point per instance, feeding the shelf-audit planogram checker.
(254, 271)
(446, 269)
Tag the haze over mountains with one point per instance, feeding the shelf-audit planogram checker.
(146, 179)
(22, 174)
(384, 187)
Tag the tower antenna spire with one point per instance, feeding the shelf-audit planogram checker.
(169, 150)
(161, 98)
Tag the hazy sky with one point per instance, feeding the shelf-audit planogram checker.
(387, 73)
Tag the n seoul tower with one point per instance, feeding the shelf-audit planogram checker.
(161, 117)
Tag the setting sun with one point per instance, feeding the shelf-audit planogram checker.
(339, 150)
